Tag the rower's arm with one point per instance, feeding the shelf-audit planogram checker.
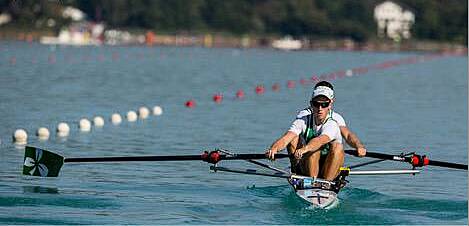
(282, 142)
(313, 145)
(352, 140)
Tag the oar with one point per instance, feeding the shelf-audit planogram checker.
(415, 160)
(40, 162)
(255, 162)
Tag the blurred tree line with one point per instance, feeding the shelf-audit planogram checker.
(440, 20)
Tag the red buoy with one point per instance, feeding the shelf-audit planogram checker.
(341, 74)
(303, 81)
(260, 89)
(217, 98)
(29, 38)
(13, 60)
(190, 104)
(240, 94)
(52, 59)
(315, 78)
(275, 87)
(115, 56)
(291, 84)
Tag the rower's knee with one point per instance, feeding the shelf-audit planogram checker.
(336, 150)
(310, 164)
(335, 158)
(312, 156)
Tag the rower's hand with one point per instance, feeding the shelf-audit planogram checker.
(361, 151)
(270, 154)
(298, 154)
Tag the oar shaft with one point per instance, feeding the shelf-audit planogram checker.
(448, 164)
(377, 155)
(409, 159)
(167, 158)
(249, 171)
(254, 162)
(251, 156)
(382, 172)
(135, 158)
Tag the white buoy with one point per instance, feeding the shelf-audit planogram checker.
(116, 119)
(84, 125)
(43, 133)
(157, 110)
(349, 73)
(143, 112)
(20, 137)
(63, 129)
(98, 121)
(131, 116)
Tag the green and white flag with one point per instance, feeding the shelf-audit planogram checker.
(38, 162)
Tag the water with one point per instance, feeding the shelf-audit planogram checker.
(412, 107)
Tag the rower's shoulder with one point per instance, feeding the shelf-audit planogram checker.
(303, 113)
(338, 118)
(331, 122)
(336, 115)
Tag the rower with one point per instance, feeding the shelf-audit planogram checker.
(319, 152)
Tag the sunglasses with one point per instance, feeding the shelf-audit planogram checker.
(322, 104)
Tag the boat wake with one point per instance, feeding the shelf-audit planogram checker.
(362, 206)
(410, 208)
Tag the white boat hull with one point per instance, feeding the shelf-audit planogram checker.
(318, 198)
(317, 192)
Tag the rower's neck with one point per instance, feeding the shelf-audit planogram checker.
(318, 121)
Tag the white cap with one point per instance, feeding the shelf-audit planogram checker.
(324, 91)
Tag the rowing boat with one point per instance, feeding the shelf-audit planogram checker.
(317, 192)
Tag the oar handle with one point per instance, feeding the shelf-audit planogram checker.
(415, 160)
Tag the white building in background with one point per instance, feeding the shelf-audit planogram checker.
(4, 18)
(287, 43)
(393, 21)
(79, 32)
(73, 13)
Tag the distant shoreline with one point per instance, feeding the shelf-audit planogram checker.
(217, 40)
